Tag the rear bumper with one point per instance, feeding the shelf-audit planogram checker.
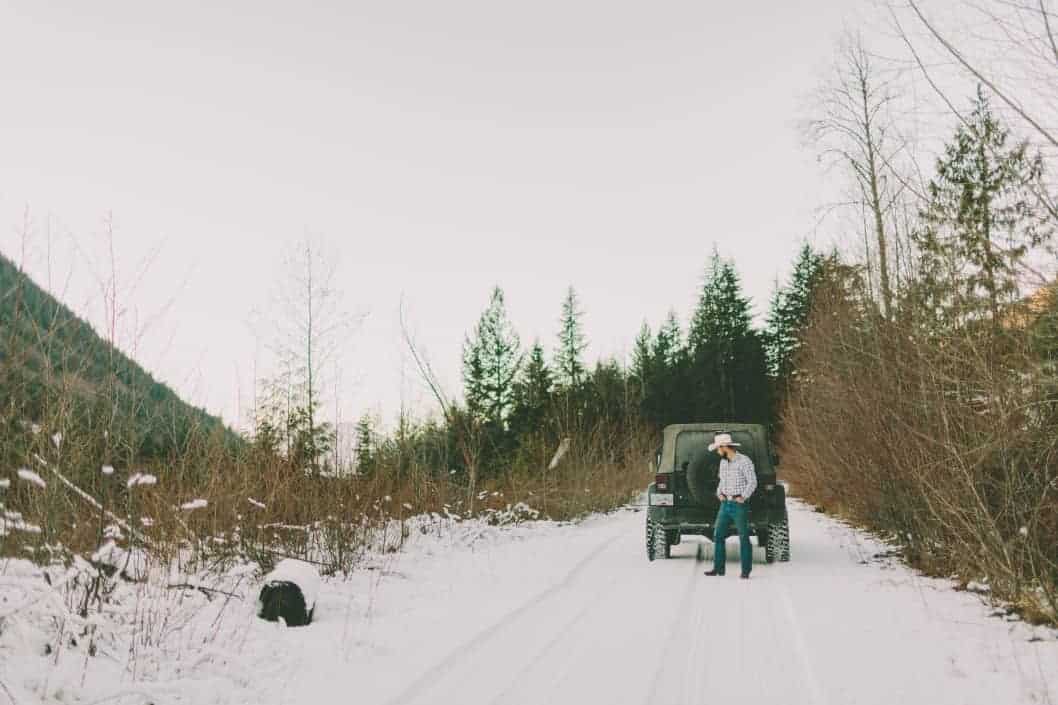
(764, 511)
(700, 521)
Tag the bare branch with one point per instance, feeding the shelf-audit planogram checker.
(976, 73)
(423, 365)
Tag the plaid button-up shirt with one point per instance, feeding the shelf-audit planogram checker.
(737, 477)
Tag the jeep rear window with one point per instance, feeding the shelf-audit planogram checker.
(691, 445)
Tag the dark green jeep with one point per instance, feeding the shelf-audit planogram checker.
(682, 499)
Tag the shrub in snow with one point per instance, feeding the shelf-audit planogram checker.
(511, 514)
(112, 560)
(289, 592)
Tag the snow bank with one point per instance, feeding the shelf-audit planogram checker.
(473, 612)
(158, 639)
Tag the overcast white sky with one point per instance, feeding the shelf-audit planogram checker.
(441, 147)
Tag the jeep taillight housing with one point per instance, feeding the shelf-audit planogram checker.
(662, 480)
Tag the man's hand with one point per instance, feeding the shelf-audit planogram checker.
(721, 496)
(739, 498)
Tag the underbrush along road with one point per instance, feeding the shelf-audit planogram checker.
(576, 614)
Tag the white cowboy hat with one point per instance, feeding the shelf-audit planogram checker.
(722, 439)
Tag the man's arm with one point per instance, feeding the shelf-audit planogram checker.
(750, 472)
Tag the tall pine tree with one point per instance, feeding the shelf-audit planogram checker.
(642, 356)
(983, 216)
(491, 359)
(789, 312)
(532, 394)
(571, 343)
(665, 394)
(727, 362)
(366, 442)
(668, 345)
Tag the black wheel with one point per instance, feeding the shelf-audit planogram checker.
(657, 542)
(778, 545)
(771, 550)
(662, 547)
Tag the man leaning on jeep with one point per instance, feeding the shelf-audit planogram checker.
(738, 480)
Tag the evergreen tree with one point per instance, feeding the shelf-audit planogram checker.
(982, 217)
(664, 374)
(723, 313)
(776, 330)
(642, 358)
(366, 442)
(310, 442)
(571, 343)
(491, 360)
(726, 356)
(532, 393)
(608, 402)
(668, 345)
(788, 314)
(267, 437)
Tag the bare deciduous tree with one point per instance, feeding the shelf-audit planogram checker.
(468, 428)
(852, 129)
(310, 326)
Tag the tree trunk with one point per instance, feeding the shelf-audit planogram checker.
(876, 202)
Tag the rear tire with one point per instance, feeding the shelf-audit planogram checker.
(778, 546)
(662, 547)
(658, 545)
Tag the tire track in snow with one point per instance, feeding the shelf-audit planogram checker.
(672, 641)
(561, 635)
(472, 646)
(573, 655)
(717, 644)
(800, 646)
(694, 674)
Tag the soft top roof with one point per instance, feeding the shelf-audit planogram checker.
(759, 434)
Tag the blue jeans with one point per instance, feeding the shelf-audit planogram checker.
(731, 511)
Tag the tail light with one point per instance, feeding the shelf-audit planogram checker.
(661, 482)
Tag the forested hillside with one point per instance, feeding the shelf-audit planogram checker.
(59, 375)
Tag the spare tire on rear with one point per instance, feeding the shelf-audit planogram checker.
(703, 475)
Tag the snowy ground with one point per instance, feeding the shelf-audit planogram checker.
(545, 613)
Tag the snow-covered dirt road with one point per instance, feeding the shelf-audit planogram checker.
(542, 613)
(576, 614)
